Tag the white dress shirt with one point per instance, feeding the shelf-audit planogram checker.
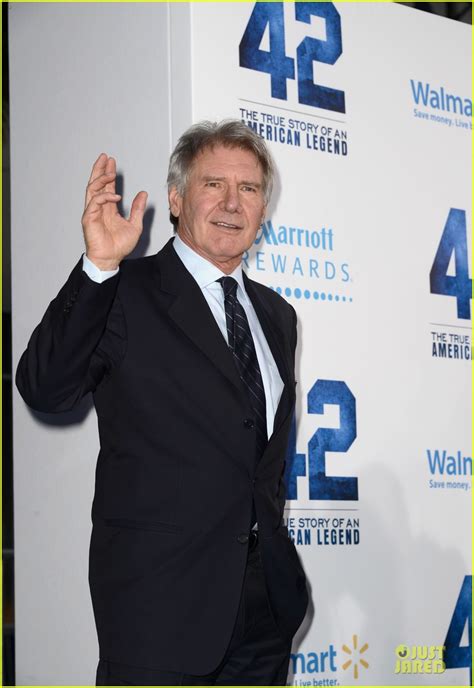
(206, 274)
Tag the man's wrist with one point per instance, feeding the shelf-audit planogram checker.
(95, 273)
(103, 265)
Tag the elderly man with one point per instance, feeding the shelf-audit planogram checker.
(193, 578)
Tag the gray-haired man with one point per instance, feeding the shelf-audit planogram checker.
(194, 580)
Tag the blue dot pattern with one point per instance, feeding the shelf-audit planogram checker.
(296, 293)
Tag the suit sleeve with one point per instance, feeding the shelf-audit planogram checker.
(77, 343)
(293, 339)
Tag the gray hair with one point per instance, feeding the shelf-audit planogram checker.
(230, 133)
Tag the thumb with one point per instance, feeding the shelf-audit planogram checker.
(138, 208)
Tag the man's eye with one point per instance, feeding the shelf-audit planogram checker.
(212, 184)
(249, 188)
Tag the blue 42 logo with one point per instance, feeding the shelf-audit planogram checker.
(322, 486)
(453, 240)
(457, 656)
(281, 67)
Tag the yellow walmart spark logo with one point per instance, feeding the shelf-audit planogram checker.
(355, 656)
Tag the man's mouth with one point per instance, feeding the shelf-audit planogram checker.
(226, 225)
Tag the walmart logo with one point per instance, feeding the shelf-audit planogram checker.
(326, 661)
(355, 656)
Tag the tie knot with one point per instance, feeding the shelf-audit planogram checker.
(229, 286)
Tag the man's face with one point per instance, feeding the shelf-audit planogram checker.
(223, 205)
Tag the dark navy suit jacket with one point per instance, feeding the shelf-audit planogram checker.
(176, 475)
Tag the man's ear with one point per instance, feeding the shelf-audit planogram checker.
(175, 200)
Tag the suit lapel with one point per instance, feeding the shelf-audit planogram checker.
(272, 332)
(191, 313)
(275, 338)
(188, 308)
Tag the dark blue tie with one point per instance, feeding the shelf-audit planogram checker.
(243, 348)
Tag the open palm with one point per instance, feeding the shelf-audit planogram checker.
(109, 237)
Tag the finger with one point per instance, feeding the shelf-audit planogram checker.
(138, 209)
(100, 200)
(111, 168)
(99, 166)
(99, 185)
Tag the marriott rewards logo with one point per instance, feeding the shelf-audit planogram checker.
(302, 263)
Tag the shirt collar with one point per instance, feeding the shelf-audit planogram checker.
(205, 273)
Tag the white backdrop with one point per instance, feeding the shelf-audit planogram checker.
(350, 239)
(84, 78)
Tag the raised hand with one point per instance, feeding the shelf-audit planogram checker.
(109, 237)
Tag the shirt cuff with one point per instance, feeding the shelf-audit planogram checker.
(93, 272)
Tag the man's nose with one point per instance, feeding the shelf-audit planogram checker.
(231, 199)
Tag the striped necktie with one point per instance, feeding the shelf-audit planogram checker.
(243, 348)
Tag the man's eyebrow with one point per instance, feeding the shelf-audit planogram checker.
(217, 178)
(212, 177)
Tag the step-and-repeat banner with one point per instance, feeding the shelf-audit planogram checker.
(367, 111)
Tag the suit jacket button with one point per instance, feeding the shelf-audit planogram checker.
(243, 539)
(249, 423)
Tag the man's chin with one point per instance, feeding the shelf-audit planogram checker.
(234, 242)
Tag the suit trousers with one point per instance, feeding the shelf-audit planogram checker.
(256, 656)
